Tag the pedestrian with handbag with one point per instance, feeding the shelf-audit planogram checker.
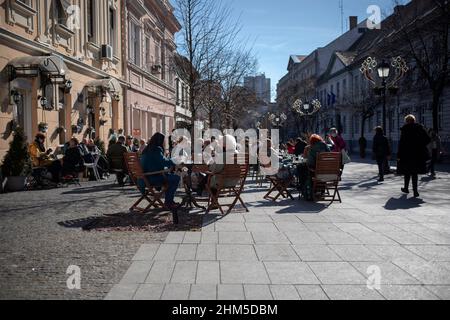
(413, 153)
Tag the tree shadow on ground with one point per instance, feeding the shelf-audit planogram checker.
(99, 188)
(157, 222)
(403, 203)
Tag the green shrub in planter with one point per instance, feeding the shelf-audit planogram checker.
(17, 161)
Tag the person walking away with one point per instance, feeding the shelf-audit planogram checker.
(381, 151)
(153, 160)
(435, 151)
(116, 159)
(413, 153)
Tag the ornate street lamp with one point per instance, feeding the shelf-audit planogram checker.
(306, 109)
(396, 70)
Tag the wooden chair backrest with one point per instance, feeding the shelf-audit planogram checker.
(230, 172)
(134, 166)
(328, 163)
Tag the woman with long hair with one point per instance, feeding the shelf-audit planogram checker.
(153, 160)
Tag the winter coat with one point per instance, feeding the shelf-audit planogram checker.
(317, 148)
(412, 151)
(339, 144)
(381, 148)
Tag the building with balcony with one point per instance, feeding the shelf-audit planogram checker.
(60, 65)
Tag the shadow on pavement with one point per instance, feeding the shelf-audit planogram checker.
(403, 203)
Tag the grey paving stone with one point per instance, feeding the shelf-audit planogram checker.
(284, 292)
(355, 253)
(373, 238)
(311, 292)
(206, 252)
(230, 292)
(321, 227)
(443, 292)
(166, 252)
(312, 218)
(390, 273)
(270, 238)
(149, 292)
(175, 237)
(431, 253)
(146, 252)
(176, 292)
(404, 238)
(290, 226)
(316, 253)
(304, 238)
(391, 252)
(257, 292)
(261, 227)
(137, 272)
(234, 217)
(186, 252)
(122, 292)
(290, 273)
(210, 238)
(227, 252)
(348, 292)
(271, 252)
(203, 292)
(230, 226)
(284, 218)
(208, 272)
(337, 273)
(258, 218)
(243, 273)
(429, 273)
(235, 238)
(192, 237)
(185, 272)
(161, 272)
(338, 238)
(391, 292)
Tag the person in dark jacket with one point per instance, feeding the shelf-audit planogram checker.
(413, 153)
(116, 159)
(153, 160)
(381, 151)
(73, 162)
(300, 147)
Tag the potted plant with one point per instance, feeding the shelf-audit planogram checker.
(43, 127)
(16, 164)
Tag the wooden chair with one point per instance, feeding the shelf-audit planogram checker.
(326, 177)
(150, 194)
(281, 187)
(237, 172)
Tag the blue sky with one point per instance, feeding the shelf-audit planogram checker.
(280, 28)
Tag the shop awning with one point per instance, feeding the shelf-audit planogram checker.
(32, 66)
(110, 84)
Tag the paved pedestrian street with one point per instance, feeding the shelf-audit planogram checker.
(299, 250)
(285, 250)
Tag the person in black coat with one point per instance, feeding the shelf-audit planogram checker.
(413, 153)
(300, 147)
(73, 162)
(381, 151)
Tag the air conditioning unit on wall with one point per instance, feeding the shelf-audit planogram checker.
(106, 52)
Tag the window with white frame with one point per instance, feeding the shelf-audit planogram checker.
(90, 19)
(113, 30)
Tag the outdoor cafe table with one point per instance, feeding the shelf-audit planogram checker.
(189, 200)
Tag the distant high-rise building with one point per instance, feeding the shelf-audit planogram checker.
(260, 85)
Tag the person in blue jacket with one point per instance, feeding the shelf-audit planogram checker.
(153, 160)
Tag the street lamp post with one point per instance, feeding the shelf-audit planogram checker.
(277, 121)
(384, 72)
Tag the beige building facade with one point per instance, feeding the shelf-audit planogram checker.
(150, 29)
(61, 69)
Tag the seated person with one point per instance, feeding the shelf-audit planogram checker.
(153, 160)
(41, 157)
(102, 165)
(116, 159)
(228, 144)
(318, 145)
(73, 162)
